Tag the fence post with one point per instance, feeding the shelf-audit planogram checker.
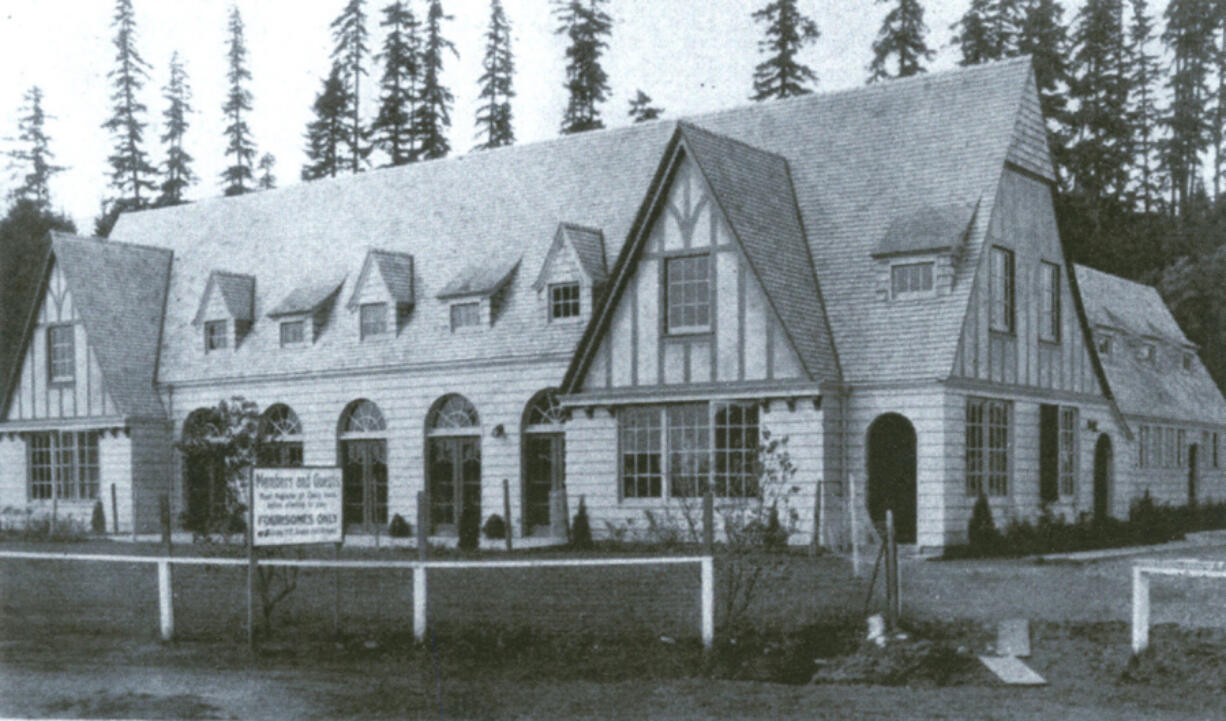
(420, 595)
(708, 523)
(114, 511)
(708, 602)
(506, 510)
(1140, 610)
(855, 526)
(164, 521)
(166, 602)
(891, 573)
(423, 520)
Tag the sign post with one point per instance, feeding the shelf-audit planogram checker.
(251, 568)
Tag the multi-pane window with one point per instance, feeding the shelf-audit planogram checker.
(465, 314)
(293, 332)
(911, 278)
(1003, 291)
(688, 293)
(215, 336)
(987, 447)
(1068, 451)
(1181, 443)
(1168, 447)
(1049, 311)
(373, 320)
(1143, 447)
(61, 354)
(1104, 345)
(63, 465)
(680, 451)
(563, 301)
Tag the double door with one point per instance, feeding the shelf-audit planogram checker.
(544, 456)
(365, 485)
(454, 468)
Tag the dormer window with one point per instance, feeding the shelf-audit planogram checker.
(293, 332)
(374, 320)
(564, 301)
(216, 336)
(687, 290)
(464, 315)
(911, 279)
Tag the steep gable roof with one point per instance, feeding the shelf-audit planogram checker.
(396, 271)
(237, 293)
(1141, 387)
(120, 291)
(588, 246)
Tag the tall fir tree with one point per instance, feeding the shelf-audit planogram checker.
(326, 134)
(641, 109)
(1189, 38)
(1143, 108)
(177, 174)
(788, 31)
(494, 126)
(267, 181)
(131, 175)
(587, 28)
(392, 130)
(350, 35)
(238, 177)
(987, 31)
(1042, 35)
(1101, 134)
(33, 159)
(433, 116)
(1217, 132)
(903, 36)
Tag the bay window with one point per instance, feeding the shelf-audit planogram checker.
(679, 451)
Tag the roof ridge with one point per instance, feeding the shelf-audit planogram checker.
(685, 126)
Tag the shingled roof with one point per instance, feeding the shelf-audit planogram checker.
(21, 258)
(857, 159)
(237, 293)
(1141, 387)
(120, 291)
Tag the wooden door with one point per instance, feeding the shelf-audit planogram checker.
(454, 468)
(892, 475)
(364, 491)
(1049, 453)
(544, 459)
(1102, 478)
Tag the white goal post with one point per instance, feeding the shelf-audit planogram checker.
(1141, 571)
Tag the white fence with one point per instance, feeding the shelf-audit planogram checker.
(1140, 589)
(420, 569)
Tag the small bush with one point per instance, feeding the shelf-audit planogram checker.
(981, 532)
(495, 528)
(97, 522)
(399, 528)
(470, 529)
(581, 529)
(774, 536)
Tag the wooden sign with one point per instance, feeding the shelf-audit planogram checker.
(296, 505)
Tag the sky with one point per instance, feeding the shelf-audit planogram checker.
(691, 56)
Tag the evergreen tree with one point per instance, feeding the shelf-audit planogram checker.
(987, 31)
(1189, 37)
(1041, 35)
(131, 174)
(902, 36)
(587, 27)
(1143, 109)
(240, 148)
(1218, 126)
(433, 116)
(349, 34)
(267, 180)
(1100, 153)
(641, 109)
(34, 157)
(788, 31)
(392, 130)
(326, 134)
(494, 114)
(177, 172)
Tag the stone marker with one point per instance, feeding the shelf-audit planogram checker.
(1013, 638)
(1012, 671)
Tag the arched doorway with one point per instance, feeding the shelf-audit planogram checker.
(544, 458)
(281, 436)
(362, 438)
(204, 478)
(891, 474)
(1103, 461)
(1193, 471)
(453, 462)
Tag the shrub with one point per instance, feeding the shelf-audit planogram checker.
(470, 529)
(981, 532)
(581, 529)
(774, 536)
(399, 528)
(495, 528)
(97, 522)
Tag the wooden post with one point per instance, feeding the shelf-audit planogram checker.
(891, 573)
(1140, 610)
(114, 511)
(336, 602)
(423, 523)
(708, 522)
(251, 562)
(420, 604)
(166, 602)
(708, 602)
(164, 521)
(853, 517)
(506, 509)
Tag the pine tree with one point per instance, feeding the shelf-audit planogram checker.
(35, 157)
(327, 133)
(494, 114)
(240, 148)
(433, 116)
(1041, 34)
(1218, 126)
(1189, 37)
(267, 180)
(1143, 108)
(788, 31)
(177, 172)
(392, 130)
(349, 34)
(586, 26)
(1102, 136)
(987, 31)
(131, 174)
(641, 109)
(902, 35)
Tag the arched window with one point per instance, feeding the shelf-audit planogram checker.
(362, 452)
(204, 479)
(281, 432)
(543, 459)
(453, 415)
(544, 410)
(201, 425)
(362, 418)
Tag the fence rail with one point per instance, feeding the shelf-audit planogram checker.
(420, 569)
(1140, 589)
